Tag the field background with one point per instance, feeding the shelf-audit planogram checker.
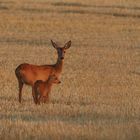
(99, 97)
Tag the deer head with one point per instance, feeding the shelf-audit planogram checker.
(61, 50)
(54, 79)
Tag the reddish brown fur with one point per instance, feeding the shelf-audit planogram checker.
(29, 74)
(42, 89)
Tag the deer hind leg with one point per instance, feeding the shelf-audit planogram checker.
(20, 82)
(20, 89)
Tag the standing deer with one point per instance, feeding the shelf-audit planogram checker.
(42, 89)
(28, 73)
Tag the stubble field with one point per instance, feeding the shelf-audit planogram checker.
(99, 97)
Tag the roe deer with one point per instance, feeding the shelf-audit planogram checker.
(42, 89)
(28, 73)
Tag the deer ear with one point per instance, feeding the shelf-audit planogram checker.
(67, 45)
(54, 44)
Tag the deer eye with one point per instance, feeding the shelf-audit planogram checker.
(64, 51)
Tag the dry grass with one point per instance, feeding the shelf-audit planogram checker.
(99, 98)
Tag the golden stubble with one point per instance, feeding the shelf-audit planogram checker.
(99, 94)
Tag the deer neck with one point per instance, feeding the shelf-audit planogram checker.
(59, 65)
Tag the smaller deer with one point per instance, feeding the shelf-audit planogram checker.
(42, 89)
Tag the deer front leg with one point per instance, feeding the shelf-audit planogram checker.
(34, 96)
